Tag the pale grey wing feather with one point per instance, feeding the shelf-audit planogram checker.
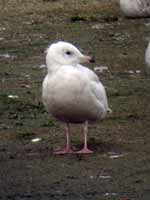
(97, 88)
(99, 92)
(91, 75)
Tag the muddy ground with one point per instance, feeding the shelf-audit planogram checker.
(120, 167)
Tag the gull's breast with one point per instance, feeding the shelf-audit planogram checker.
(69, 98)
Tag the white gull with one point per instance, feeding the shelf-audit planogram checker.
(71, 92)
(135, 8)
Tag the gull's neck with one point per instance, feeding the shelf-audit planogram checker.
(53, 67)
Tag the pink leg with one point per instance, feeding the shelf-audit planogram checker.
(85, 149)
(68, 149)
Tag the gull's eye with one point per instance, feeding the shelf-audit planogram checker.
(68, 52)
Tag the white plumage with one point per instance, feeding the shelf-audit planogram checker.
(147, 59)
(135, 8)
(72, 93)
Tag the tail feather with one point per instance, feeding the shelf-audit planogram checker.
(109, 110)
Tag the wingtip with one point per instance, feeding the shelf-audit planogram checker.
(109, 110)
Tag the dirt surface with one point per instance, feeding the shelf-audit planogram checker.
(120, 167)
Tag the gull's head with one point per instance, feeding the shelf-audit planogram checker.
(64, 53)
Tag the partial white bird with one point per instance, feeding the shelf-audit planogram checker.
(135, 8)
(147, 59)
(71, 92)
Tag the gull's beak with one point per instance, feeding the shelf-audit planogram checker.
(86, 59)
